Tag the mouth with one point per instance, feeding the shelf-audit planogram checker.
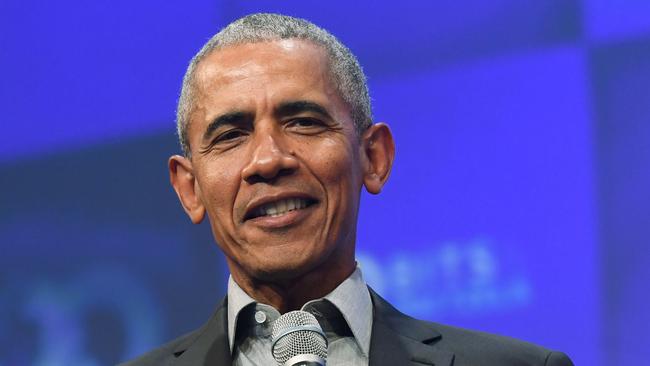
(280, 207)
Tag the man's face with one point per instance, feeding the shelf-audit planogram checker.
(276, 160)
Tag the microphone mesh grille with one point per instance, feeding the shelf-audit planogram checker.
(298, 342)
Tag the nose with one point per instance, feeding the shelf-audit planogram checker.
(268, 161)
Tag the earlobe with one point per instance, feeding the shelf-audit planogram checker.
(378, 154)
(181, 175)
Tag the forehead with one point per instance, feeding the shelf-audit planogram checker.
(257, 77)
(291, 61)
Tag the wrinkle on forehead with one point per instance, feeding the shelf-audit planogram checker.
(226, 65)
(257, 76)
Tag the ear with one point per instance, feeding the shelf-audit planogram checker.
(181, 175)
(378, 152)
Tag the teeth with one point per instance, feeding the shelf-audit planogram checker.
(278, 208)
(282, 206)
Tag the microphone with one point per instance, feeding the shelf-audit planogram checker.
(298, 340)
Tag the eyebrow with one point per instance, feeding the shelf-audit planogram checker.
(230, 118)
(289, 108)
(300, 106)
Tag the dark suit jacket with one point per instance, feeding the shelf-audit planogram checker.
(397, 339)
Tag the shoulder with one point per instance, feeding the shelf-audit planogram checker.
(465, 347)
(164, 354)
(474, 348)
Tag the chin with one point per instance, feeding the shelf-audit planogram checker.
(283, 269)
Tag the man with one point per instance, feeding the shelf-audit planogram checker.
(275, 123)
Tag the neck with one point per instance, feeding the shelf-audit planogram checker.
(292, 293)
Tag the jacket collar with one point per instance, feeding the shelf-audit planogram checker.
(398, 339)
(209, 346)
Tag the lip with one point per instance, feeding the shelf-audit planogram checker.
(261, 201)
(284, 220)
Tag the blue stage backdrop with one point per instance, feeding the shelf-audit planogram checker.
(519, 201)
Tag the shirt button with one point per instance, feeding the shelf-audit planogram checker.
(260, 317)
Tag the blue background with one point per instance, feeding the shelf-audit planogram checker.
(519, 201)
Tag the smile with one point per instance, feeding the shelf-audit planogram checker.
(280, 207)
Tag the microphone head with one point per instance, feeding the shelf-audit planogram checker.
(297, 337)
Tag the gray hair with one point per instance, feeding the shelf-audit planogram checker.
(345, 70)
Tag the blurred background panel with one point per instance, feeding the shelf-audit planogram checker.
(518, 204)
(79, 73)
(607, 20)
(621, 78)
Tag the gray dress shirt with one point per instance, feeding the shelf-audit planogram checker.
(345, 315)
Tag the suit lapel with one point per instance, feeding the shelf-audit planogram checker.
(401, 340)
(210, 347)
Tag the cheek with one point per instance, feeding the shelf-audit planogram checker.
(336, 166)
(219, 187)
(345, 163)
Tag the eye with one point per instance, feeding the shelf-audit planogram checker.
(225, 141)
(306, 125)
(304, 122)
(229, 135)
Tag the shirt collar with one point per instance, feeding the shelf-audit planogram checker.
(237, 300)
(351, 298)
